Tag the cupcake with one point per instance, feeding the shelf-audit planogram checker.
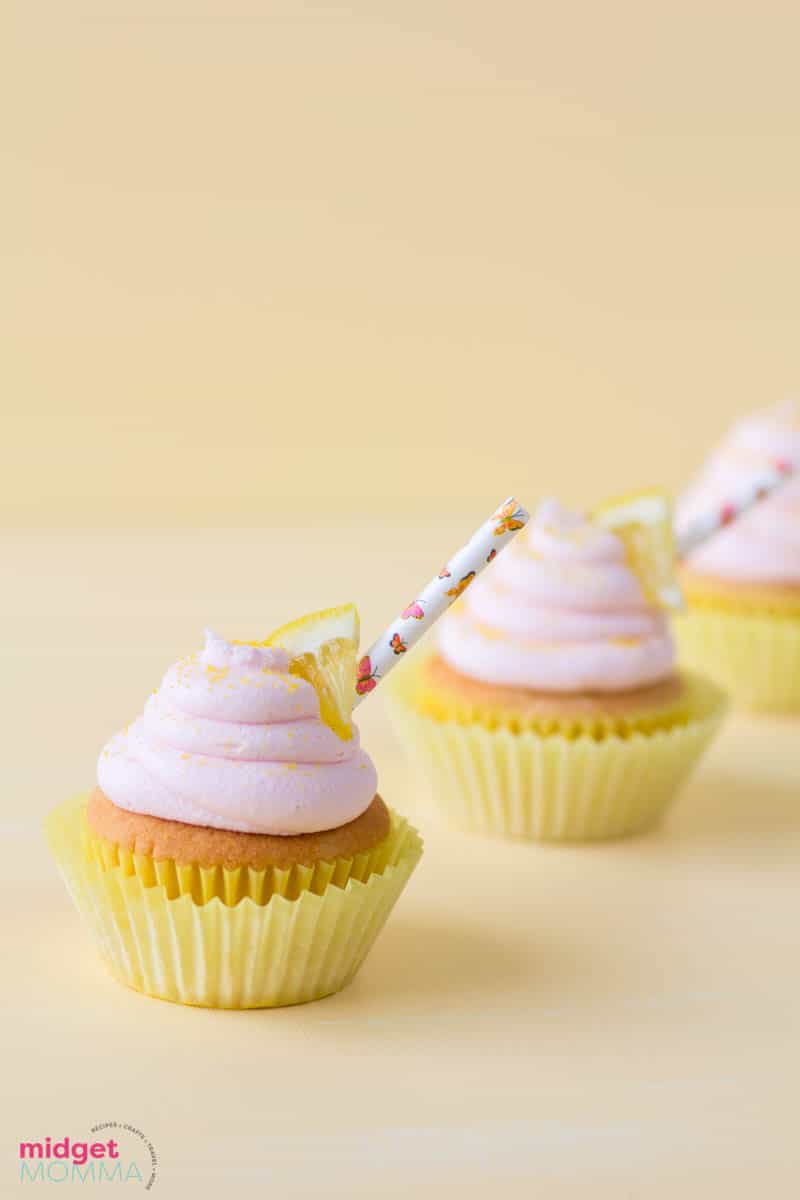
(551, 708)
(235, 852)
(742, 586)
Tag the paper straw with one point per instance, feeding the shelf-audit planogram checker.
(763, 485)
(453, 579)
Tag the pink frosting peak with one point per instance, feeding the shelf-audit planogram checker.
(231, 740)
(763, 545)
(560, 611)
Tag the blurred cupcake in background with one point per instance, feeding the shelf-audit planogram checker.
(743, 585)
(552, 708)
(235, 852)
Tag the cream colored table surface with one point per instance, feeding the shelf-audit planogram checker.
(616, 1021)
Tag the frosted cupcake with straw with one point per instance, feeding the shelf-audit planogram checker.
(551, 707)
(742, 584)
(235, 852)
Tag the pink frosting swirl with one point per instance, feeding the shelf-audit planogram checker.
(560, 611)
(763, 545)
(231, 740)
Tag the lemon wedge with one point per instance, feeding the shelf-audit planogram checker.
(323, 647)
(643, 523)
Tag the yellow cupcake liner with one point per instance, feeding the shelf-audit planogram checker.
(754, 656)
(192, 936)
(443, 704)
(230, 885)
(550, 787)
(741, 598)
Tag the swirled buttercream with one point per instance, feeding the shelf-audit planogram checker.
(560, 611)
(231, 740)
(763, 545)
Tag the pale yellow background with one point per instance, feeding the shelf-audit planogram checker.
(265, 256)
(292, 295)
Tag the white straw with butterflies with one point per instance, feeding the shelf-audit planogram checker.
(769, 480)
(434, 599)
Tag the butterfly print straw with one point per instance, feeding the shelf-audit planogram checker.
(453, 579)
(768, 481)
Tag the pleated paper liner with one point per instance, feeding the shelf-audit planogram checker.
(551, 787)
(289, 948)
(742, 599)
(756, 657)
(232, 885)
(695, 696)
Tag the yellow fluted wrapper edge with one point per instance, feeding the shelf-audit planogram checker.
(698, 695)
(549, 787)
(756, 657)
(287, 949)
(230, 885)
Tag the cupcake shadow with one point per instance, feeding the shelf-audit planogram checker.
(433, 959)
(723, 807)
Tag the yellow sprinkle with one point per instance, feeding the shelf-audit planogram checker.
(491, 634)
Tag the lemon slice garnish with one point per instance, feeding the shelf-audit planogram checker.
(643, 523)
(323, 647)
